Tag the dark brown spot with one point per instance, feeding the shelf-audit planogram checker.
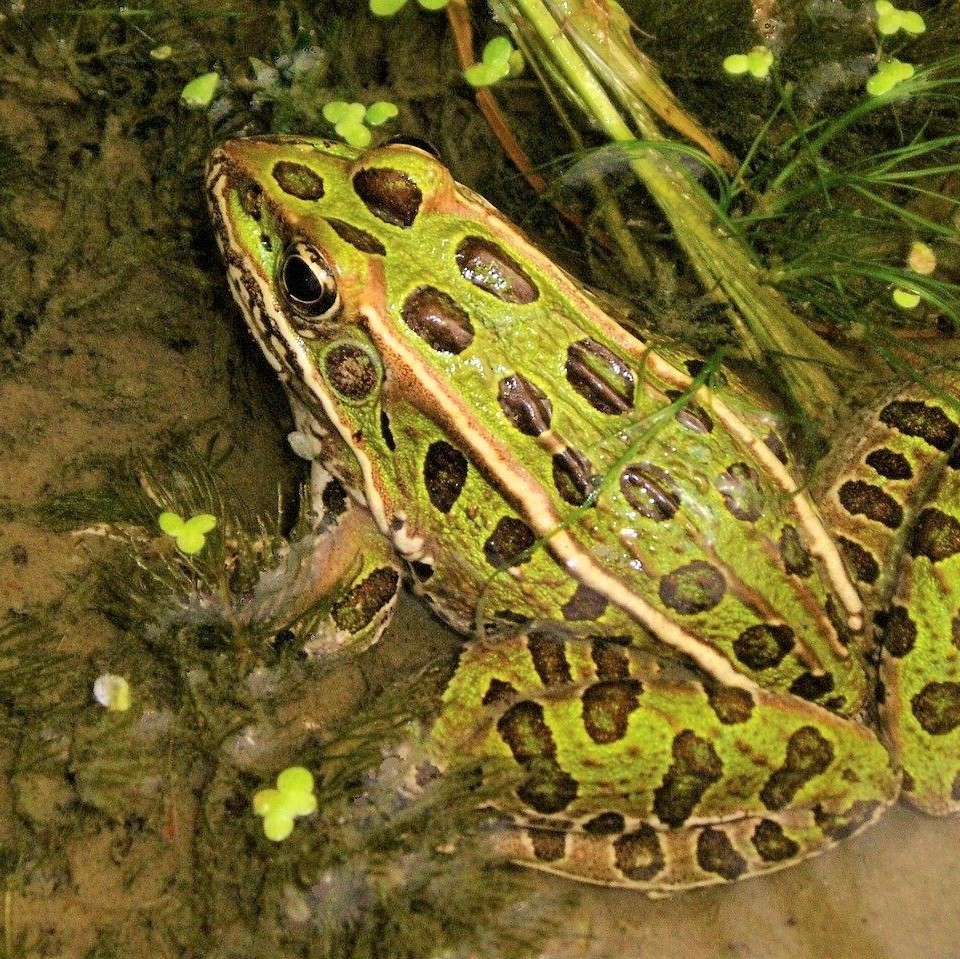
(695, 768)
(861, 561)
(955, 631)
(838, 620)
(638, 854)
(421, 570)
(693, 588)
(363, 241)
(510, 616)
(499, 693)
(386, 432)
(438, 319)
(936, 535)
(334, 498)
(444, 474)
(650, 491)
(899, 631)
(604, 380)
(488, 266)
(808, 755)
(526, 406)
(510, 538)
(359, 607)
(715, 853)
(812, 686)
(858, 496)
(716, 376)
(547, 789)
(764, 645)
(842, 825)
(251, 200)
(937, 707)
(929, 423)
(607, 706)
(298, 180)
(389, 195)
(605, 824)
(548, 844)
(795, 557)
(772, 843)
(730, 704)
(523, 728)
(351, 371)
(777, 447)
(549, 658)
(572, 476)
(584, 604)
(610, 657)
(691, 415)
(739, 485)
(890, 464)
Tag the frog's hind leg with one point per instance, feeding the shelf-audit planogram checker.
(623, 774)
(896, 504)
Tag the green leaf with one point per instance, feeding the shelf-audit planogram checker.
(334, 111)
(354, 132)
(201, 523)
(736, 63)
(295, 779)
(386, 8)
(497, 51)
(170, 523)
(190, 541)
(199, 92)
(380, 112)
(912, 23)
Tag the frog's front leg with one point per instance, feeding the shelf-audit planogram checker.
(626, 774)
(341, 579)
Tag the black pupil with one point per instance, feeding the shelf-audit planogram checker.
(302, 285)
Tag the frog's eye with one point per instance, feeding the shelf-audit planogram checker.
(309, 285)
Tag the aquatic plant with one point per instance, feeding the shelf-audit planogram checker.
(351, 120)
(291, 798)
(498, 60)
(213, 642)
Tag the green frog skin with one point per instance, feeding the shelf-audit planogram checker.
(696, 670)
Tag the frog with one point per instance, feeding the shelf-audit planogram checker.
(696, 665)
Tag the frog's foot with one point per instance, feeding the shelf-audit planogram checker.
(341, 580)
(898, 512)
(626, 774)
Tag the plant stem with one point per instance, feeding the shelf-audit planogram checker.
(768, 329)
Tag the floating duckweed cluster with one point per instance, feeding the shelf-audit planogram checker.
(293, 797)
(352, 120)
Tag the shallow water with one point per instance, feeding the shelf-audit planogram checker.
(94, 384)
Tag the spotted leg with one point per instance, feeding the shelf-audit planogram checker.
(896, 502)
(342, 577)
(623, 774)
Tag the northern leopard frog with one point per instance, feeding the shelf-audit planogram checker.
(694, 679)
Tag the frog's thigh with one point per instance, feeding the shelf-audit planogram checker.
(345, 574)
(920, 659)
(624, 775)
(895, 504)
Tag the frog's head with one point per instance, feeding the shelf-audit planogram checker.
(306, 227)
